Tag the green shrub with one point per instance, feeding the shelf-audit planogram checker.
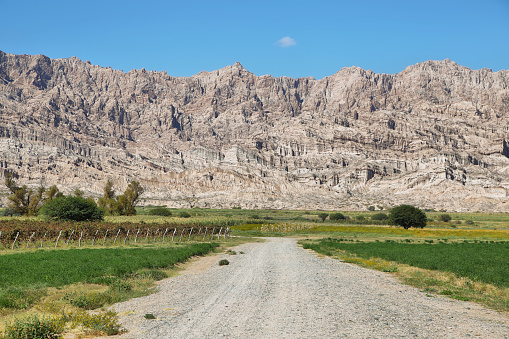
(161, 211)
(337, 216)
(89, 301)
(150, 316)
(184, 214)
(360, 217)
(35, 328)
(254, 216)
(223, 262)
(323, 216)
(371, 208)
(379, 216)
(72, 208)
(106, 322)
(407, 216)
(445, 217)
(18, 299)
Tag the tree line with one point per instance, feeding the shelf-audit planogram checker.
(54, 204)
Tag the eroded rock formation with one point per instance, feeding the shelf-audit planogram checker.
(435, 135)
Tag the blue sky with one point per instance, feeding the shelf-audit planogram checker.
(319, 37)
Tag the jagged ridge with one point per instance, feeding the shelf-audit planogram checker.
(432, 135)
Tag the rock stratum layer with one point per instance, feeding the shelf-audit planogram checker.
(434, 135)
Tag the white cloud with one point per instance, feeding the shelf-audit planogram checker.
(286, 42)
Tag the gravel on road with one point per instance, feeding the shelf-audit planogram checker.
(279, 290)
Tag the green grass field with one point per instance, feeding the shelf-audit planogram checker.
(57, 268)
(484, 262)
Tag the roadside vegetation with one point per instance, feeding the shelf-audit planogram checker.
(95, 265)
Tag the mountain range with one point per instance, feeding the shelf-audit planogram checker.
(435, 135)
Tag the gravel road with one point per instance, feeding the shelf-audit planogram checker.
(279, 290)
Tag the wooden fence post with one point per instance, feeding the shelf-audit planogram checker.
(205, 234)
(212, 237)
(126, 236)
(146, 237)
(42, 240)
(70, 237)
(227, 232)
(166, 230)
(105, 235)
(30, 239)
(173, 235)
(58, 238)
(155, 234)
(95, 235)
(17, 235)
(180, 238)
(79, 241)
(136, 238)
(219, 234)
(190, 232)
(115, 241)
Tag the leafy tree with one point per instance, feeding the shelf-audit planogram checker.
(23, 200)
(52, 193)
(108, 202)
(72, 208)
(323, 216)
(337, 216)
(130, 198)
(445, 217)
(124, 204)
(407, 216)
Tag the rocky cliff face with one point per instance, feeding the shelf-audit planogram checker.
(435, 135)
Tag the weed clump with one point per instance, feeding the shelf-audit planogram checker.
(223, 262)
(104, 322)
(35, 327)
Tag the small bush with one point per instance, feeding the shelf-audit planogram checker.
(371, 208)
(445, 217)
(359, 217)
(223, 262)
(34, 328)
(379, 216)
(254, 216)
(105, 322)
(337, 216)
(323, 216)
(89, 301)
(121, 286)
(184, 214)
(72, 208)
(150, 316)
(160, 211)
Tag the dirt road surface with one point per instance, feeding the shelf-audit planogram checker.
(279, 290)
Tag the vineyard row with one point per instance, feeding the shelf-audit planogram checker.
(84, 236)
